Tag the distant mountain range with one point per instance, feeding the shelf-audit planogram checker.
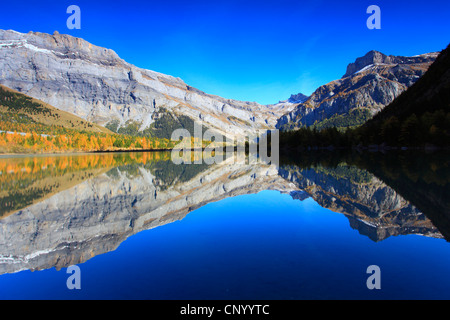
(95, 84)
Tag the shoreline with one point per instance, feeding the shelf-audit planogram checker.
(62, 153)
(283, 150)
(72, 153)
(371, 148)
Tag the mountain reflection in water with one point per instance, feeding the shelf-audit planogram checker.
(63, 210)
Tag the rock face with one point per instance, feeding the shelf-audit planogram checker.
(95, 84)
(370, 83)
(373, 58)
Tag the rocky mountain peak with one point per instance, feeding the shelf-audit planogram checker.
(60, 45)
(297, 98)
(370, 83)
(370, 58)
(374, 58)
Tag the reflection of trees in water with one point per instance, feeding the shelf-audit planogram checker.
(95, 216)
(421, 178)
(27, 180)
(165, 172)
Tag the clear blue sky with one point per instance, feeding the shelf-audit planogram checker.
(248, 50)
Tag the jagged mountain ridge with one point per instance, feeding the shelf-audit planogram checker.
(298, 98)
(95, 84)
(369, 84)
(375, 58)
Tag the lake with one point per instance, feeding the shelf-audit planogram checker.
(138, 226)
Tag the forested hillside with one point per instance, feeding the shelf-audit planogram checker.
(29, 125)
(419, 117)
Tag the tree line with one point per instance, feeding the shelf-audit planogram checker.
(430, 128)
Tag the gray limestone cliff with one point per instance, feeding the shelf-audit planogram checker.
(95, 84)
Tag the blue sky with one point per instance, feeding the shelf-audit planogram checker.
(259, 51)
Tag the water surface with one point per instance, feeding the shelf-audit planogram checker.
(141, 227)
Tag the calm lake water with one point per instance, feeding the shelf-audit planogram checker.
(140, 227)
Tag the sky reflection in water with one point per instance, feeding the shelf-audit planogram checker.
(265, 245)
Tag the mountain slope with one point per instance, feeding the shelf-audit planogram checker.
(15, 104)
(95, 84)
(418, 118)
(428, 94)
(370, 83)
(421, 115)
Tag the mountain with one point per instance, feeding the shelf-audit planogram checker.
(428, 94)
(369, 84)
(95, 84)
(14, 104)
(298, 98)
(420, 115)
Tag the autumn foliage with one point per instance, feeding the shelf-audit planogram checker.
(30, 126)
(67, 140)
